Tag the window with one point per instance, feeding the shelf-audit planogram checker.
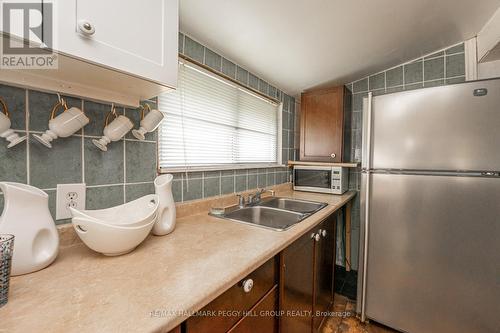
(210, 121)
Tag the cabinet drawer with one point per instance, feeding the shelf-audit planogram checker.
(262, 319)
(235, 301)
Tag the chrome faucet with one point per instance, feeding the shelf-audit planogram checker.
(241, 200)
(252, 198)
(256, 197)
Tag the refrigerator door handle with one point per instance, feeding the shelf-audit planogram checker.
(366, 134)
(365, 193)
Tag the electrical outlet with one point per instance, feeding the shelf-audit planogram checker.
(69, 195)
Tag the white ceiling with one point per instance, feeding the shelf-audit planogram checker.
(301, 44)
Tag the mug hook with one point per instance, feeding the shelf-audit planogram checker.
(111, 112)
(61, 103)
(143, 108)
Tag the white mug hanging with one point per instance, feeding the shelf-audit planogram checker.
(66, 124)
(5, 130)
(113, 131)
(149, 123)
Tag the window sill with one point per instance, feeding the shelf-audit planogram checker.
(221, 167)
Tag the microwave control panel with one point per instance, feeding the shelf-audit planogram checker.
(339, 180)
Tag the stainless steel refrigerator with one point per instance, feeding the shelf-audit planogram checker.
(430, 209)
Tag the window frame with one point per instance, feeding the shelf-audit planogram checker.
(233, 166)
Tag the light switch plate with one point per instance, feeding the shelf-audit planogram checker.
(69, 195)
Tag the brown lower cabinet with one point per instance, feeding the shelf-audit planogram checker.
(307, 288)
(229, 308)
(324, 265)
(297, 282)
(291, 292)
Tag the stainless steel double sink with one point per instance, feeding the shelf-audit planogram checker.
(274, 213)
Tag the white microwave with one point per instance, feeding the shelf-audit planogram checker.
(324, 179)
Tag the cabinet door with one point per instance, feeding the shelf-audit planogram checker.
(298, 285)
(135, 38)
(263, 316)
(321, 125)
(323, 270)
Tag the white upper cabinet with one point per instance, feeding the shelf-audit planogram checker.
(111, 50)
(134, 37)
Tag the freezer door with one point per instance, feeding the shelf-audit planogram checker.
(441, 128)
(434, 253)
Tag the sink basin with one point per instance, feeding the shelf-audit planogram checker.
(266, 217)
(274, 213)
(299, 206)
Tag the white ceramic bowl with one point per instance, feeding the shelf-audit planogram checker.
(132, 214)
(111, 240)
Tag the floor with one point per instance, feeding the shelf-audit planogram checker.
(346, 322)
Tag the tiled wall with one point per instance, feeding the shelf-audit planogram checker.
(439, 68)
(197, 185)
(123, 173)
(127, 170)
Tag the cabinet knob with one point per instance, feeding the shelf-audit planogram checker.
(247, 285)
(86, 27)
(333, 155)
(317, 237)
(323, 233)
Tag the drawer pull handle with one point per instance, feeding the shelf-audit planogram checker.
(247, 285)
(333, 155)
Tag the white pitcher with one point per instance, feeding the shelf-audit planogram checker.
(26, 215)
(165, 222)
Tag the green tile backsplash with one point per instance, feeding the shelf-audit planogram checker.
(74, 159)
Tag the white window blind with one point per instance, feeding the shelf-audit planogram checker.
(211, 121)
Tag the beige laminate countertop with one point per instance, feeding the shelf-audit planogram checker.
(83, 291)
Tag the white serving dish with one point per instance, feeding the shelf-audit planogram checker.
(132, 214)
(111, 240)
(117, 230)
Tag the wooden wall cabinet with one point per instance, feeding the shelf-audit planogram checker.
(325, 122)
